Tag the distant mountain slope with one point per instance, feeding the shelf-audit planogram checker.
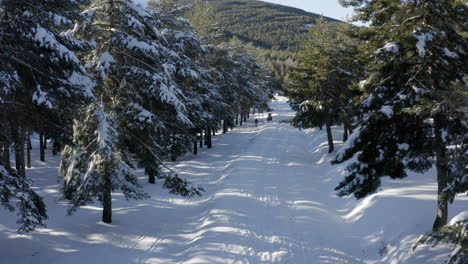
(266, 25)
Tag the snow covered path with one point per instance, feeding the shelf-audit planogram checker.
(269, 199)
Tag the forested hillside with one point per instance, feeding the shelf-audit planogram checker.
(270, 31)
(266, 25)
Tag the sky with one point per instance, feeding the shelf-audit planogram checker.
(329, 8)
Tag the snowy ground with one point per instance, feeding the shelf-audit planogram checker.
(269, 199)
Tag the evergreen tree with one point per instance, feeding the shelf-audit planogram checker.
(42, 81)
(49, 78)
(16, 194)
(98, 163)
(319, 86)
(139, 96)
(415, 111)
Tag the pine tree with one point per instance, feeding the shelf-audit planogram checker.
(319, 85)
(16, 194)
(98, 163)
(42, 81)
(49, 79)
(415, 111)
(141, 105)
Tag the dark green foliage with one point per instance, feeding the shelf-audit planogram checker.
(320, 85)
(269, 26)
(272, 32)
(180, 186)
(456, 235)
(414, 116)
(16, 195)
(42, 82)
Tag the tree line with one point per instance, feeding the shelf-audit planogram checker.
(270, 32)
(115, 87)
(398, 87)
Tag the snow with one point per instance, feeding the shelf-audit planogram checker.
(40, 97)
(27, 14)
(143, 114)
(403, 147)
(450, 53)
(391, 47)
(135, 44)
(350, 143)
(80, 80)
(363, 83)
(104, 63)
(47, 39)
(419, 91)
(59, 20)
(368, 101)
(269, 199)
(139, 9)
(387, 110)
(422, 41)
(461, 217)
(102, 128)
(407, 2)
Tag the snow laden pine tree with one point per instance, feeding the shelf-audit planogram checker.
(414, 115)
(41, 83)
(202, 97)
(137, 91)
(97, 163)
(16, 194)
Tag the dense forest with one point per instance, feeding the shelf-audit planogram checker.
(266, 25)
(113, 86)
(272, 32)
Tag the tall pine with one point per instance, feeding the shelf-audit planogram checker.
(137, 102)
(414, 116)
(42, 81)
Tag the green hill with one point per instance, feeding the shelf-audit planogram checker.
(272, 32)
(266, 25)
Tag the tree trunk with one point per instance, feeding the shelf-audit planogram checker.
(442, 176)
(22, 136)
(225, 128)
(107, 200)
(241, 119)
(19, 151)
(237, 119)
(208, 138)
(45, 142)
(207, 134)
(345, 134)
(245, 118)
(331, 147)
(6, 155)
(214, 132)
(151, 178)
(28, 149)
(201, 138)
(195, 145)
(41, 147)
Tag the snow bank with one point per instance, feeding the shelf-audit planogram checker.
(461, 217)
